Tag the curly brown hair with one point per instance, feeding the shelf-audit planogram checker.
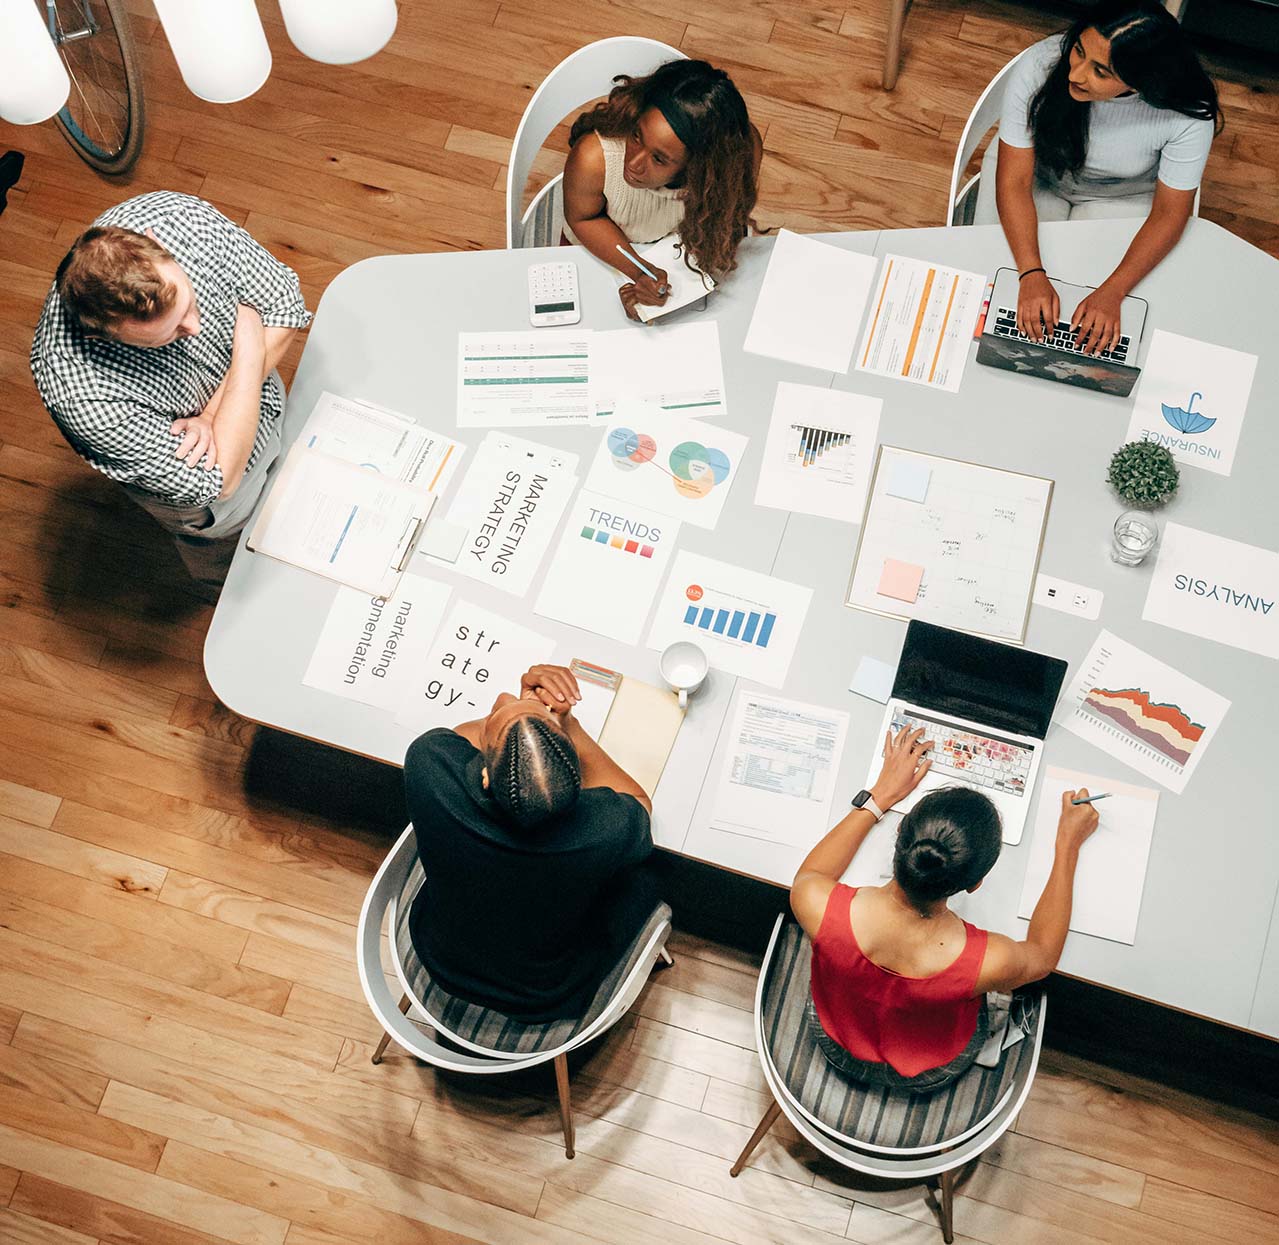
(709, 116)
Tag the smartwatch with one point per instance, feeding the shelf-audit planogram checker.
(863, 800)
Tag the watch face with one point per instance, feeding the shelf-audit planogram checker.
(860, 799)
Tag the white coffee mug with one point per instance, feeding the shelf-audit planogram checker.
(683, 666)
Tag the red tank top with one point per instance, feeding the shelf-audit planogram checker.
(910, 1023)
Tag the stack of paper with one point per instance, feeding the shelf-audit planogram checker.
(687, 284)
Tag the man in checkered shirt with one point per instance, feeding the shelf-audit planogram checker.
(155, 354)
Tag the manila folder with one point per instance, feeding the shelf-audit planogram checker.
(641, 729)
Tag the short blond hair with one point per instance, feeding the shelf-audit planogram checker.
(111, 274)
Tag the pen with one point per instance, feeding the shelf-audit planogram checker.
(1089, 799)
(643, 267)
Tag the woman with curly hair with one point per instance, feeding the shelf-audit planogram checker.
(532, 840)
(673, 151)
(1114, 117)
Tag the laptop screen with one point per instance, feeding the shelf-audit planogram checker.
(1001, 687)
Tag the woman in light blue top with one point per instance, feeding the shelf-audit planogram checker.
(1113, 118)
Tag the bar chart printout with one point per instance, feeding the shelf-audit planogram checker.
(747, 623)
(1142, 711)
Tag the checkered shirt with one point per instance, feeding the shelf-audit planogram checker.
(114, 403)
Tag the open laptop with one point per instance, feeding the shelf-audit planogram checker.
(1058, 356)
(986, 707)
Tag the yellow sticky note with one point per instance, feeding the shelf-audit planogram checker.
(900, 580)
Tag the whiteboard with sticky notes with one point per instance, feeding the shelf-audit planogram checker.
(950, 542)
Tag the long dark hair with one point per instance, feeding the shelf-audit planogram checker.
(708, 115)
(534, 773)
(947, 843)
(1148, 50)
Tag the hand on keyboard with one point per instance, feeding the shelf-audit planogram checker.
(1097, 319)
(1037, 305)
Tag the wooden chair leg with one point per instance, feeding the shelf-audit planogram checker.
(566, 1105)
(893, 54)
(386, 1037)
(756, 1137)
(948, 1205)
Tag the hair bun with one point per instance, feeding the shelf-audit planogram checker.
(927, 856)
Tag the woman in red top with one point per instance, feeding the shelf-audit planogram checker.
(898, 980)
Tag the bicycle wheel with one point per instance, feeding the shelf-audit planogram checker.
(103, 117)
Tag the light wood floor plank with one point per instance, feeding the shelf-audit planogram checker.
(24, 804)
(20, 1229)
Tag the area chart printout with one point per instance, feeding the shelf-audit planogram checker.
(1144, 712)
(524, 380)
(779, 771)
(747, 623)
(819, 452)
(921, 322)
(951, 543)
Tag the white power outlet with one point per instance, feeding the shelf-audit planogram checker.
(1061, 594)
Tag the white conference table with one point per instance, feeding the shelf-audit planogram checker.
(1208, 938)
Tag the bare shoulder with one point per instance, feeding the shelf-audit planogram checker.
(1004, 966)
(809, 896)
(585, 163)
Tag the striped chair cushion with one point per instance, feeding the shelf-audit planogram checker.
(544, 226)
(867, 1115)
(486, 1027)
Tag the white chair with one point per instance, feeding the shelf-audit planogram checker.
(983, 118)
(889, 1134)
(577, 80)
(491, 1043)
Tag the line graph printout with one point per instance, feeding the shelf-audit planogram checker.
(666, 462)
(921, 323)
(819, 452)
(1144, 712)
(975, 531)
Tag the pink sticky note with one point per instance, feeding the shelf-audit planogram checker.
(900, 580)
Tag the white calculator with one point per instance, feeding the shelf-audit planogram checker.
(552, 294)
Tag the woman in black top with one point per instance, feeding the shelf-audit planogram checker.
(530, 838)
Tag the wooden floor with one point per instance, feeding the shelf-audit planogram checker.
(184, 1051)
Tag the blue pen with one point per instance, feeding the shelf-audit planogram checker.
(643, 267)
(1089, 799)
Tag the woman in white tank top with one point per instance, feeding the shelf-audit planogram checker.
(674, 151)
(1116, 115)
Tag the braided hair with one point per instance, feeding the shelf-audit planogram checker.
(534, 773)
(946, 844)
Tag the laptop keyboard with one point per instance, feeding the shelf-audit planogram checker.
(1062, 337)
(974, 759)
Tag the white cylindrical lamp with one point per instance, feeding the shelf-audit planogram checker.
(219, 45)
(33, 80)
(339, 32)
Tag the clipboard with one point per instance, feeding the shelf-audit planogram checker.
(341, 521)
(640, 727)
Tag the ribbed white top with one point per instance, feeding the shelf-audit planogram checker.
(642, 215)
(1130, 142)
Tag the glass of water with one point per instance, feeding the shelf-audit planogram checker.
(1135, 536)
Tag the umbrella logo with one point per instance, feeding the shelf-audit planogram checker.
(1187, 419)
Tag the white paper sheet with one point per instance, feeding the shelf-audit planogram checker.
(1220, 589)
(819, 452)
(523, 380)
(476, 656)
(687, 285)
(371, 648)
(382, 441)
(811, 303)
(673, 366)
(1111, 873)
(1192, 397)
(340, 521)
(511, 503)
(1136, 708)
(747, 623)
(976, 536)
(779, 772)
(666, 462)
(608, 566)
(874, 679)
(921, 322)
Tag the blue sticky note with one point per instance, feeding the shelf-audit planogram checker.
(874, 679)
(908, 479)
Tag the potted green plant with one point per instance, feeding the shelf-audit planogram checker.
(1144, 474)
